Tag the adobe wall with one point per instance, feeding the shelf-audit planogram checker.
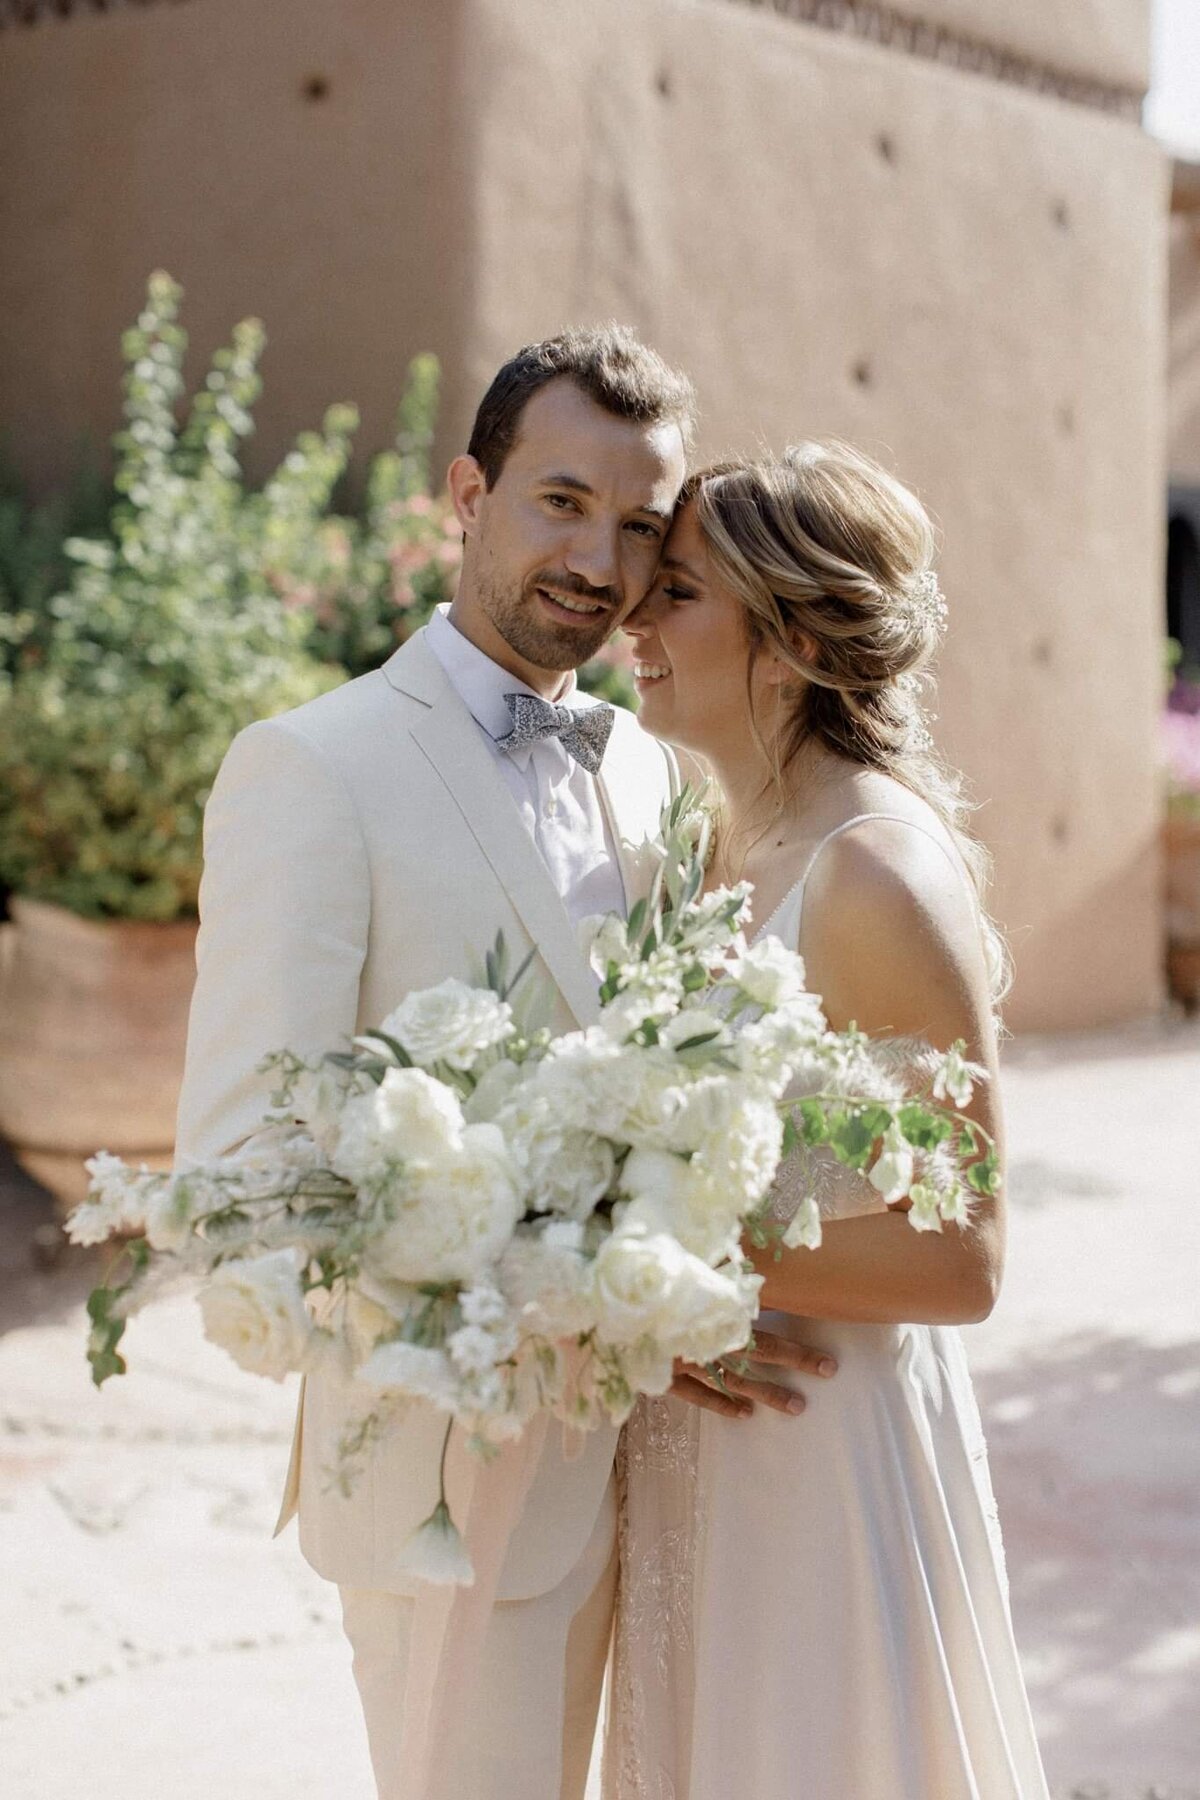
(963, 273)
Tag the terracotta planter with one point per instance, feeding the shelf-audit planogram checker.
(93, 1022)
(1181, 841)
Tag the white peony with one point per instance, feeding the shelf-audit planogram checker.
(891, 1173)
(451, 1023)
(451, 1217)
(254, 1308)
(408, 1118)
(770, 973)
(646, 1285)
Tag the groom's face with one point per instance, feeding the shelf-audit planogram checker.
(566, 543)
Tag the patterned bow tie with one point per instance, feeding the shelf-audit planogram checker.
(582, 734)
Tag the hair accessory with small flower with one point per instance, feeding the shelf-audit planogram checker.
(925, 602)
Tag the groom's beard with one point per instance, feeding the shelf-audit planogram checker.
(518, 616)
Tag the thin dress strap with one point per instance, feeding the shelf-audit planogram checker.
(796, 892)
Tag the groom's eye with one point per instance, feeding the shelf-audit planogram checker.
(645, 529)
(562, 502)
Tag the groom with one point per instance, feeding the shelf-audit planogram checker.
(374, 842)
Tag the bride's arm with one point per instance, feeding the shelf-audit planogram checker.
(891, 942)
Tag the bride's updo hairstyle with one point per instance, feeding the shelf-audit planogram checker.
(832, 559)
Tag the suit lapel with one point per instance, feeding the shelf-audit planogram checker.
(633, 801)
(448, 736)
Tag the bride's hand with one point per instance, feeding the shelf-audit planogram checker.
(727, 1389)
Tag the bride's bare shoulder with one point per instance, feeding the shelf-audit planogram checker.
(891, 929)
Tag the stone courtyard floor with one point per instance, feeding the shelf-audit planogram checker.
(158, 1646)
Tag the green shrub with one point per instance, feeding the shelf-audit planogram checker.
(165, 643)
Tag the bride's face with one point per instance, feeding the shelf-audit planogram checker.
(691, 650)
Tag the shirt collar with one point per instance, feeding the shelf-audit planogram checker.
(480, 683)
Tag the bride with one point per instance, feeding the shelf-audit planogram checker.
(827, 1618)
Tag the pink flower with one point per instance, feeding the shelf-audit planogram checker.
(1181, 746)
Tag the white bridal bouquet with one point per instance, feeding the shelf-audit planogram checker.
(492, 1221)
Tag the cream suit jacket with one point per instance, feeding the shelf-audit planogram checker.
(357, 848)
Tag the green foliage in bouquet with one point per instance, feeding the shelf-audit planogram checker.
(166, 642)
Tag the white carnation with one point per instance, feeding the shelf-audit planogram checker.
(451, 1023)
(408, 1118)
(254, 1308)
(564, 1168)
(452, 1217)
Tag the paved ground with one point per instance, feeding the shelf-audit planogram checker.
(158, 1645)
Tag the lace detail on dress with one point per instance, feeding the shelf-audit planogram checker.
(659, 1527)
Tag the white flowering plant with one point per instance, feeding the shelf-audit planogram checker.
(462, 1213)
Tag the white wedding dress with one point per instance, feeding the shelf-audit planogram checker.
(816, 1608)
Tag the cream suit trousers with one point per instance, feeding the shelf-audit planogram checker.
(530, 1736)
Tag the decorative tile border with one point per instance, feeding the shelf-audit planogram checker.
(856, 18)
(937, 43)
(32, 12)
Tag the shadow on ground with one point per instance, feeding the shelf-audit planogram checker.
(42, 1277)
(1095, 1444)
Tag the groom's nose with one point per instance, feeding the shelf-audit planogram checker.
(594, 554)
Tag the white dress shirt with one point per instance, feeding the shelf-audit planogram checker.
(555, 796)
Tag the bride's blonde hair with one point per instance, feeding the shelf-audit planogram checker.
(828, 553)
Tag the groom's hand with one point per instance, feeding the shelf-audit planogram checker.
(728, 1388)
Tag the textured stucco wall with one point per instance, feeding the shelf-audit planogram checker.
(961, 276)
(182, 137)
(832, 235)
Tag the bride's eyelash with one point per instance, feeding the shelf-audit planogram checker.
(677, 593)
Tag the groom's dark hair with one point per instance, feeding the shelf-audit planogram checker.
(611, 365)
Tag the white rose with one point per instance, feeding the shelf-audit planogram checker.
(408, 1118)
(770, 973)
(254, 1308)
(892, 1171)
(451, 1023)
(453, 1217)
(648, 1285)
